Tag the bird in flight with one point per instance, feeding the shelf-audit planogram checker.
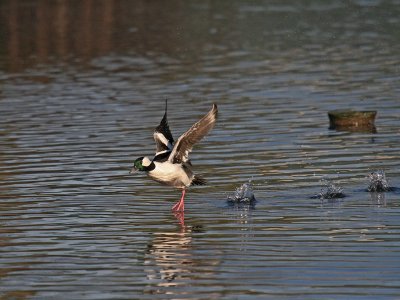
(171, 165)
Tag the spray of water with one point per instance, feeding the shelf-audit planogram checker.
(378, 182)
(330, 190)
(243, 194)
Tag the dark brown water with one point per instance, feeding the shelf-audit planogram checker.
(82, 86)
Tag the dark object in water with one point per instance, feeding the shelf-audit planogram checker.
(350, 120)
(243, 194)
(378, 182)
(330, 191)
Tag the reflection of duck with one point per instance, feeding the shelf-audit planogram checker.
(172, 263)
(168, 258)
(171, 165)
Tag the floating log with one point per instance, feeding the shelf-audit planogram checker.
(350, 120)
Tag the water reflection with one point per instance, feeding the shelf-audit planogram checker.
(174, 263)
(242, 213)
(180, 217)
(242, 218)
(168, 260)
(11, 245)
(81, 82)
(18, 295)
(10, 208)
(39, 32)
(378, 198)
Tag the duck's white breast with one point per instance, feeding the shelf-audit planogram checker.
(171, 174)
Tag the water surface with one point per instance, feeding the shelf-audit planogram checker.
(82, 88)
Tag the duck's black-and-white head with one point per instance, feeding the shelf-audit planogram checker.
(142, 164)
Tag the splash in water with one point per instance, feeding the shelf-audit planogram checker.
(378, 182)
(243, 194)
(330, 191)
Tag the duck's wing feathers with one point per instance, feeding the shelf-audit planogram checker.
(163, 137)
(184, 145)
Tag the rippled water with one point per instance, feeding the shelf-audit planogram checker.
(82, 88)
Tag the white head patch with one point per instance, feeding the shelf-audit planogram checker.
(146, 162)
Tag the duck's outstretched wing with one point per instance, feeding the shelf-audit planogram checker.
(184, 145)
(163, 138)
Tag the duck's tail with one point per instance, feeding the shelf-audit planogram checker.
(198, 180)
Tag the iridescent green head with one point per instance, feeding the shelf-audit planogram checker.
(142, 164)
